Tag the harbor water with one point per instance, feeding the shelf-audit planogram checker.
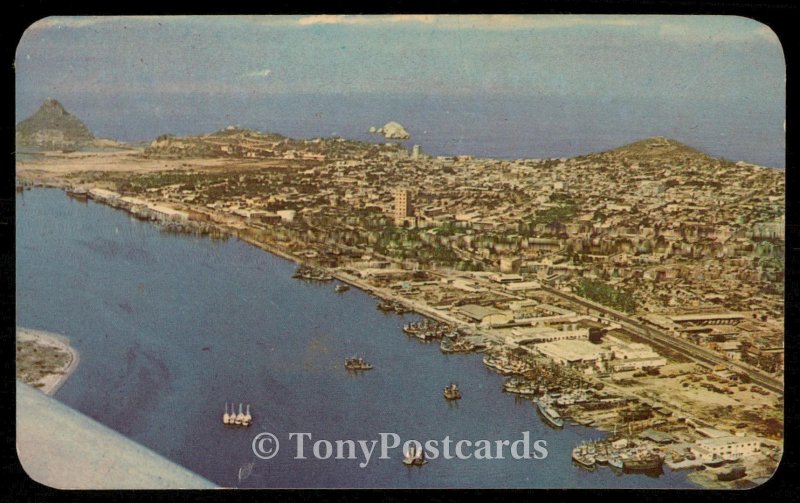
(171, 327)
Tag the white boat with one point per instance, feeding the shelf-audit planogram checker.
(248, 419)
(239, 417)
(414, 457)
(226, 418)
(549, 414)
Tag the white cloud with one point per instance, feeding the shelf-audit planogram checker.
(364, 20)
(484, 22)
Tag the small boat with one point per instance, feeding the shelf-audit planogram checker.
(239, 420)
(356, 363)
(520, 387)
(79, 194)
(585, 461)
(643, 462)
(616, 462)
(233, 419)
(311, 273)
(549, 414)
(446, 346)
(452, 392)
(414, 457)
(226, 418)
(341, 288)
(393, 307)
(247, 420)
(582, 457)
(715, 461)
(734, 473)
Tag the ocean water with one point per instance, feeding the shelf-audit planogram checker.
(171, 327)
(497, 126)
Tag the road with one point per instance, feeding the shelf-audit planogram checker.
(702, 355)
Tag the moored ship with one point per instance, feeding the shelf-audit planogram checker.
(519, 387)
(311, 274)
(549, 414)
(643, 462)
(450, 345)
(734, 473)
(583, 458)
(79, 194)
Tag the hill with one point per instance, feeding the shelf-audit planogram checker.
(51, 126)
(659, 149)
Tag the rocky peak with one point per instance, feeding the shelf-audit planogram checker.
(52, 126)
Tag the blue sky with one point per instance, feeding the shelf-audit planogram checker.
(99, 66)
(694, 56)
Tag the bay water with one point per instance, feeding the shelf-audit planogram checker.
(171, 327)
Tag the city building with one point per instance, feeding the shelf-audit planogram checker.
(573, 352)
(485, 316)
(728, 448)
(402, 206)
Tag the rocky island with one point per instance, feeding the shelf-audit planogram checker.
(650, 274)
(391, 131)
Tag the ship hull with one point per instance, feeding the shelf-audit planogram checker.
(555, 422)
(639, 466)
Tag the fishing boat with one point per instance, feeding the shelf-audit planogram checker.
(233, 419)
(715, 461)
(414, 457)
(311, 273)
(341, 288)
(239, 420)
(583, 458)
(247, 420)
(494, 362)
(643, 462)
(616, 462)
(452, 392)
(734, 473)
(450, 345)
(549, 414)
(356, 363)
(520, 387)
(446, 346)
(79, 194)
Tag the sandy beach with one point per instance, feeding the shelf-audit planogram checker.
(55, 359)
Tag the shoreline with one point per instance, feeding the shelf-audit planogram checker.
(697, 479)
(51, 382)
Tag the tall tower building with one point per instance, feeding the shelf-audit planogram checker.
(402, 206)
(415, 152)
